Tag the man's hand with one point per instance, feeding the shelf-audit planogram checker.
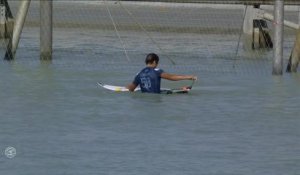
(192, 77)
(131, 87)
(186, 88)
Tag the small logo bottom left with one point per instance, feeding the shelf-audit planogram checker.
(10, 152)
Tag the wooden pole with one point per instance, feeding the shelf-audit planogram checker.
(295, 56)
(278, 35)
(299, 15)
(2, 19)
(46, 7)
(18, 27)
(286, 23)
(6, 20)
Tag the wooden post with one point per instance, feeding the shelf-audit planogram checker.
(257, 27)
(46, 7)
(278, 35)
(2, 19)
(299, 15)
(256, 44)
(19, 24)
(295, 56)
(7, 20)
(250, 15)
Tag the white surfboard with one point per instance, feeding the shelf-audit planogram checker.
(124, 89)
(116, 88)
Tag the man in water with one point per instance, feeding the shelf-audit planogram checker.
(149, 78)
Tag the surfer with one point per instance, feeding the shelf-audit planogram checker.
(149, 78)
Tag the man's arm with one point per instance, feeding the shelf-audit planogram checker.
(131, 87)
(174, 77)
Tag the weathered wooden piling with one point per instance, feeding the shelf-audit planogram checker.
(6, 20)
(2, 19)
(18, 27)
(261, 35)
(46, 7)
(299, 15)
(286, 23)
(295, 55)
(256, 26)
(6, 26)
(278, 37)
(250, 15)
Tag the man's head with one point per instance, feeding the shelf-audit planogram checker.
(152, 59)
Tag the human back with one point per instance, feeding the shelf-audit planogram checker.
(149, 78)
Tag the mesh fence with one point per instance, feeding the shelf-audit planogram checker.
(183, 33)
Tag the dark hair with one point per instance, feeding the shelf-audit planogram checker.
(151, 57)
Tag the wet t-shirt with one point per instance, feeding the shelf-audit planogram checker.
(149, 79)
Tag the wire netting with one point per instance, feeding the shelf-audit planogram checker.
(190, 34)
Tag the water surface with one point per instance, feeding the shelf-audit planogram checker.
(238, 119)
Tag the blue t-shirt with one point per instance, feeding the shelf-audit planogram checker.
(149, 79)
